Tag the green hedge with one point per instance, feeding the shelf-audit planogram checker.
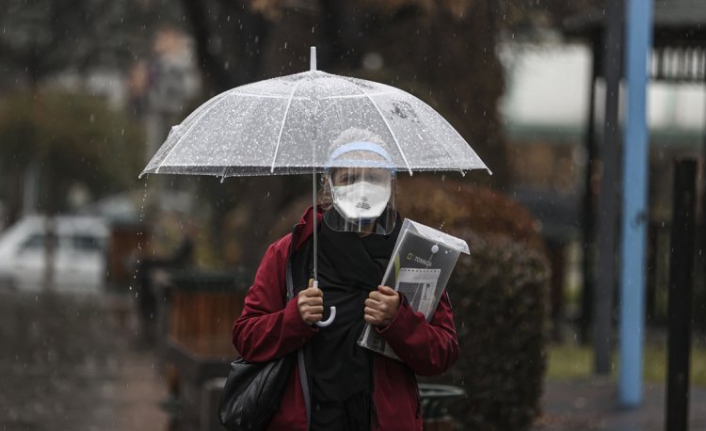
(499, 296)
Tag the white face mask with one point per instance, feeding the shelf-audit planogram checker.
(361, 200)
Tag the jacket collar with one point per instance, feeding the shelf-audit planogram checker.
(304, 229)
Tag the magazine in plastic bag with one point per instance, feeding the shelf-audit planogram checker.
(420, 266)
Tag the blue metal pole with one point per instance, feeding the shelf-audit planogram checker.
(638, 44)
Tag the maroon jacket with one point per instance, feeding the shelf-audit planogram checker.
(268, 328)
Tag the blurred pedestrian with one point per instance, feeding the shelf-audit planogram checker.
(150, 270)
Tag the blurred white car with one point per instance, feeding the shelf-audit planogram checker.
(80, 260)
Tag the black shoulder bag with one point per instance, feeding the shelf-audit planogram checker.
(253, 391)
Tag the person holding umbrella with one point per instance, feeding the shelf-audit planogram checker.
(337, 384)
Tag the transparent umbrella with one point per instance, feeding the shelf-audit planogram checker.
(286, 125)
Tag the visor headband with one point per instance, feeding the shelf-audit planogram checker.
(360, 146)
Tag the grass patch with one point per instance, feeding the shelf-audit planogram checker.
(570, 361)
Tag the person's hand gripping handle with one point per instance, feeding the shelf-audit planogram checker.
(310, 303)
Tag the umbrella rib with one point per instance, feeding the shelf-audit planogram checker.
(181, 139)
(355, 96)
(269, 96)
(457, 134)
(281, 129)
(399, 147)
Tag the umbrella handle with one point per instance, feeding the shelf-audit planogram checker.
(332, 314)
(330, 319)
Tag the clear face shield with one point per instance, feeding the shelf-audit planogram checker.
(362, 185)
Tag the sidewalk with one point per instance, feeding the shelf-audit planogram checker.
(71, 364)
(594, 405)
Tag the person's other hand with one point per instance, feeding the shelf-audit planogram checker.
(381, 306)
(310, 302)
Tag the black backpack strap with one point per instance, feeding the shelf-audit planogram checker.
(290, 281)
(300, 353)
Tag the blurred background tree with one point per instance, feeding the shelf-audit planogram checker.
(43, 38)
(59, 44)
(62, 145)
(79, 144)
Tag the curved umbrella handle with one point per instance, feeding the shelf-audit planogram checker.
(332, 315)
(330, 319)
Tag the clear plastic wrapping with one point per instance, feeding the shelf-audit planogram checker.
(420, 266)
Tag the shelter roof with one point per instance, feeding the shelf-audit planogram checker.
(677, 23)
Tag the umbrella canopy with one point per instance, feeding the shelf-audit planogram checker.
(286, 125)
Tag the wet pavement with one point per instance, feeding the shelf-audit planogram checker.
(74, 364)
(594, 405)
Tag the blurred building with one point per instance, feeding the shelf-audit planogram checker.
(545, 112)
